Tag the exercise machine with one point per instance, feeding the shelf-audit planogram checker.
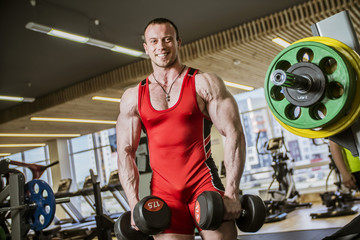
(285, 198)
(29, 205)
(338, 203)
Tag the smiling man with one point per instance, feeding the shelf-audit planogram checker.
(177, 105)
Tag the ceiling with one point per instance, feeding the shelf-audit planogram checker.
(231, 38)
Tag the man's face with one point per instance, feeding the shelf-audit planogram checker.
(161, 44)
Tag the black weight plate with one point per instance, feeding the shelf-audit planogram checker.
(316, 91)
(209, 210)
(255, 213)
(123, 231)
(152, 215)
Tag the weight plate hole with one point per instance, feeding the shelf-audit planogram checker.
(328, 65)
(36, 188)
(335, 90)
(283, 65)
(41, 219)
(292, 112)
(276, 93)
(45, 194)
(305, 55)
(47, 209)
(318, 112)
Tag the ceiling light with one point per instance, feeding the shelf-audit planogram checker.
(240, 86)
(38, 135)
(281, 42)
(77, 38)
(16, 99)
(73, 120)
(23, 145)
(4, 154)
(107, 99)
(68, 36)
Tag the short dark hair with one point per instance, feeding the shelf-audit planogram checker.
(161, 21)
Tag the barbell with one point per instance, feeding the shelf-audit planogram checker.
(311, 87)
(39, 206)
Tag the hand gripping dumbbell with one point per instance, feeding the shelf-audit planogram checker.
(151, 216)
(209, 212)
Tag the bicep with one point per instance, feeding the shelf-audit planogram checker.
(128, 126)
(223, 109)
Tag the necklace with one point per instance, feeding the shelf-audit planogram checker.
(168, 93)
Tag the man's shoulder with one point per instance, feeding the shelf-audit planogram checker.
(207, 78)
(130, 95)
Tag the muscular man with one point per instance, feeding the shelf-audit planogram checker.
(177, 106)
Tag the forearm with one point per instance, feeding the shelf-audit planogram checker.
(234, 159)
(129, 177)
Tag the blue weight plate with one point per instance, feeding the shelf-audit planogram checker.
(39, 192)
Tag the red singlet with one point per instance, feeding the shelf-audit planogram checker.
(179, 148)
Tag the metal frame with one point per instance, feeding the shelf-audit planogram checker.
(345, 32)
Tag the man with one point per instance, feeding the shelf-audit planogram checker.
(177, 105)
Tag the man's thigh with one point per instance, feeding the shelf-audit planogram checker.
(172, 236)
(227, 231)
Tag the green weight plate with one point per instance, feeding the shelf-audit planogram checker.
(336, 99)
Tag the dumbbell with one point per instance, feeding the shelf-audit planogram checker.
(209, 212)
(151, 216)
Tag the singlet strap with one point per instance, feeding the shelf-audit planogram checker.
(191, 72)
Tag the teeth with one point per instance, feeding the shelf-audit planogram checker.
(162, 55)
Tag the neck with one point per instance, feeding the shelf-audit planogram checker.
(167, 74)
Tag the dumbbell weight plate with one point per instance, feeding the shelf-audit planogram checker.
(152, 215)
(210, 215)
(123, 230)
(39, 192)
(255, 213)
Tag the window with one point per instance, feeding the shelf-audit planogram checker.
(260, 126)
(93, 151)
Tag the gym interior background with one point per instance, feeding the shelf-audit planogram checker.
(232, 39)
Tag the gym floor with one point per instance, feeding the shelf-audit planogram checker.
(300, 219)
(298, 223)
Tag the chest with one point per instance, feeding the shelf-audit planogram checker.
(166, 97)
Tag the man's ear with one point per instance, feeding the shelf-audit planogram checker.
(145, 48)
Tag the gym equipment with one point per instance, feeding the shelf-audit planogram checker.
(69, 208)
(209, 212)
(310, 87)
(39, 193)
(104, 224)
(151, 215)
(114, 186)
(36, 169)
(342, 127)
(32, 205)
(338, 203)
(285, 199)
